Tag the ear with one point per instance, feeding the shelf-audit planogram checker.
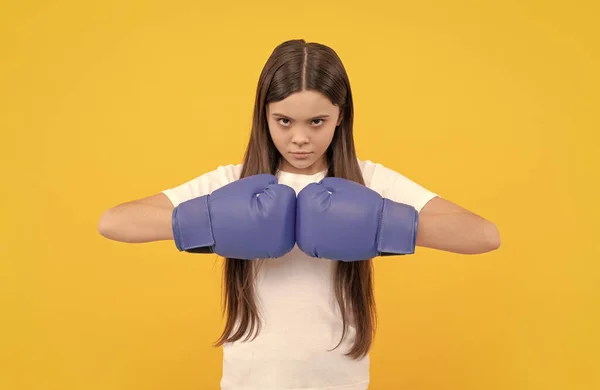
(339, 120)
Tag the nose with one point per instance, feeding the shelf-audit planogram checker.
(300, 136)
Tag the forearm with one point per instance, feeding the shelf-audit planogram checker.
(135, 222)
(459, 232)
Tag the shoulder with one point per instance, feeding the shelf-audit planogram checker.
(374, 173)
(229, 172)
(394, 185)
(204, 183)
(220, 176)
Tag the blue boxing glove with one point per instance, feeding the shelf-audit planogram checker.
(251, 218)
(340, 219)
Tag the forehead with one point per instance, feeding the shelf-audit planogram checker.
(303, 104)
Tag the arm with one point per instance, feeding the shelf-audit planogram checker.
(143, 220)
(150, 219)
(446, 226)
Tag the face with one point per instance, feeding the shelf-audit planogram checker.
(302, 127)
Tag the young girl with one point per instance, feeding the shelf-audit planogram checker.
(298, 223)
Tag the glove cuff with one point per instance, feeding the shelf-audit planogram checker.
(398, 229)
(191, 226)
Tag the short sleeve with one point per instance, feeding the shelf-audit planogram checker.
(203, 184)
(395, 186)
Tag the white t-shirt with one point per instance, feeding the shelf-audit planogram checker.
(301, 321)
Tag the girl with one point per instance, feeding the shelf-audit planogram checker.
(294, 321)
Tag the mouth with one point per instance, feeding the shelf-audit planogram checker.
(300, 154)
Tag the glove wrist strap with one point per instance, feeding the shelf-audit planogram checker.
(191, 226)
(398, 229)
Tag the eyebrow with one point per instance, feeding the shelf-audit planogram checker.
(285, 116)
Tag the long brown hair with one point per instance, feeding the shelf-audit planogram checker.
(292, 67)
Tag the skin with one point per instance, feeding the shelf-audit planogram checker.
(303, 122)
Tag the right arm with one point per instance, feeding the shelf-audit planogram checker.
(150, 219)
(143, 220)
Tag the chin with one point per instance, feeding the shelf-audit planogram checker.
(300, 165)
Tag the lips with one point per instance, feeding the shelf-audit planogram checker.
(300, 155)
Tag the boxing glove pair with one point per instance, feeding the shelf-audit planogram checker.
(255, 217)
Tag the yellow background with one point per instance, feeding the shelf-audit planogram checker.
(493, 105)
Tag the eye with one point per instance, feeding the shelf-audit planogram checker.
(286, 122)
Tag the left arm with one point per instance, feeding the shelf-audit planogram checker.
(448, 227)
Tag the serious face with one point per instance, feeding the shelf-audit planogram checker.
(302, 127)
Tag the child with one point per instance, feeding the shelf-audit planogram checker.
(298, 223)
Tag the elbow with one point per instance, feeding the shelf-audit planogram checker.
(488, 240)
(492, 237)
(104, 224)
